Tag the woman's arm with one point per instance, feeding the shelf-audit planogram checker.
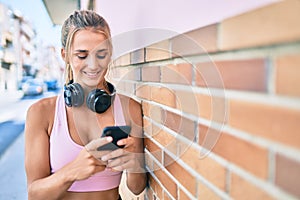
(40, 182)
(136, 179)
(131, 158)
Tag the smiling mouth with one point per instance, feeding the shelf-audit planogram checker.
(92, 74)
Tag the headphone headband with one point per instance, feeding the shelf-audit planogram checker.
(111, 88)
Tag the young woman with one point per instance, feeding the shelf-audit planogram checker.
(63, 133)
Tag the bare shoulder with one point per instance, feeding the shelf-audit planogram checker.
(132, 109)
(129, 102)
(43, 106)
(41, 113)
(133, 112)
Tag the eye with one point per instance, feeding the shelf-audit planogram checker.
(101, 54)
(81, 56)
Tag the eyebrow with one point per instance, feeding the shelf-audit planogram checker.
(86, 51)
(81, 51)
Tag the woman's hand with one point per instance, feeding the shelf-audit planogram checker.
(125, 158)
(87, 162)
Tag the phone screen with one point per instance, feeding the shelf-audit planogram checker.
(117, 133)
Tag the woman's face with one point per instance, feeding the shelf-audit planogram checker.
(89, 57)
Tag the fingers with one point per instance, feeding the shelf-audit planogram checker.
(114, 154)
(118, 165)
(130, 163)
(99, 154)
(129, 146)
(100, 162)
(94, 144)
(121, 159)
(117, 160)
(127, 141)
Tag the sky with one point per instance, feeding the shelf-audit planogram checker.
(36, 13)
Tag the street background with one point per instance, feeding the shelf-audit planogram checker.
(13, 106)
(30, 69)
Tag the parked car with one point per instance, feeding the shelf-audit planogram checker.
(51, 84)
(34, 87)
(23, 80)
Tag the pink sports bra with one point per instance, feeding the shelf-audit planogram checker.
(63, 150)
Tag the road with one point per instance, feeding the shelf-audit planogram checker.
(12, 172)
(12, 119)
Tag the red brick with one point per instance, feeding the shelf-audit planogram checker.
(181, 125)
(151, 74)
(212, 108)
(275, 123)
(155, 186)
(179, 74)
(168, 160)
(167, 182)
(163, 95)
(271, 24)
(243, 189)
(153, 149)
(183, 195)
(165, 139)
(166, 196)
(137, 56)
(126, 73)
(234, 74)
(206, 193)
(205, 166)
(149, 161)
(150, 195)
(244, 154)
(183, 176)
(207, 75)
(187, 101)
(143, 91)
(198, 41)
(288, 175)
(208, 137)
(158, 51)
(287, 75)
(204, 105)
(154, 112)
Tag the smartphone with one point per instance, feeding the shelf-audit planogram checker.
(117, 133)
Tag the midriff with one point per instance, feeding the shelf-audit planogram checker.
(112, 194)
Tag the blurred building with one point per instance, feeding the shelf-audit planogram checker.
(21, 54)
(50, 64)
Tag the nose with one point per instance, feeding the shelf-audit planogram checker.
(92, 62)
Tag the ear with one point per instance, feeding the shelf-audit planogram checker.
(63, 54)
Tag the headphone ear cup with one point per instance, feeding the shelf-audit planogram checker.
(74, 95)
(98, 101)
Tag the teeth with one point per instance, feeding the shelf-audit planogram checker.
(91, 73)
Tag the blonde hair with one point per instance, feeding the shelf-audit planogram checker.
(79, 20)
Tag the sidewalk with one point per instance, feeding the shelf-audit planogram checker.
(10, 128)
(12, 172)
(7, 97)
(9, 132)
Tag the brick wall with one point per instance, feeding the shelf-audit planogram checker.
(222, 107)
